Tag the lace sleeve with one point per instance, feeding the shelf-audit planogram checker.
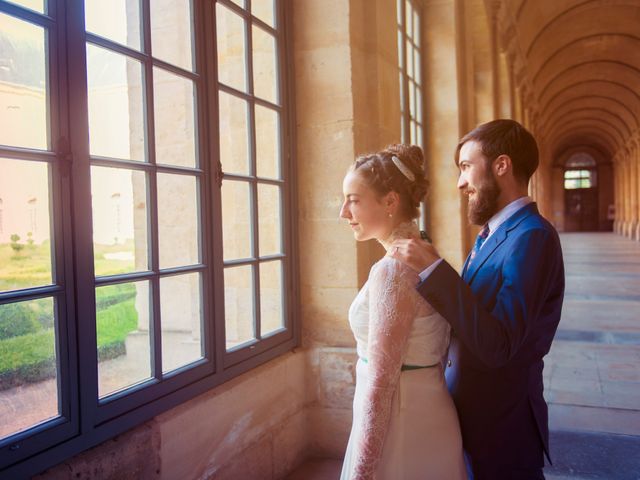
(391, 313)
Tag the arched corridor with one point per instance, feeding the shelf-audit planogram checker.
(170, 186)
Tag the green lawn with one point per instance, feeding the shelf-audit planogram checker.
(31, 267)
(27, 338)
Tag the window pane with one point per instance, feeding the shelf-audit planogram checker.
(37, 5)
(119, 202)
(116, 114)
(271, 297)
(181, 318)
(124, 352)
(412, 100)
(236, 220)
(416, 28)
(240, 3)
(418, 105)
(400, 56)
(171, 32)
(269, 219)
(233, 134)
(264, 10)
(416, 62)
(572, 174)
(117, 20)
(571, 184)
(178, 223)
(401, 83)
(25, 242)
(399, 12)
(408, 18)
(174, 111)
(409, 55)
(267, 142)
(239, 306)
(28, 377)
(23, 84)
(231, 48)
(265, 78)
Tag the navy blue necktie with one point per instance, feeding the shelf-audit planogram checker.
(482, 236)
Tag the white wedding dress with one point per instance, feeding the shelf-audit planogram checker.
(405, 425)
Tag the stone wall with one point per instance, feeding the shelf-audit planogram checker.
(254, 426)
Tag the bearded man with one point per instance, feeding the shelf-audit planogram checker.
(504, 308)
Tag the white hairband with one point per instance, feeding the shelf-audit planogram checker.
(403, 168)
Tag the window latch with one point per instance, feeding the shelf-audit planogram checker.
(64, 156)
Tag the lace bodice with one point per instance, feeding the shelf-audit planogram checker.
(393, 325)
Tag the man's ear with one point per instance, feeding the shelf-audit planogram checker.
(502, 165)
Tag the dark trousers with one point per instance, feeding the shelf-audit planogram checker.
(506, 473)
(483, 471)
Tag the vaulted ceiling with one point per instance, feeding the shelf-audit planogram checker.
(579, 61)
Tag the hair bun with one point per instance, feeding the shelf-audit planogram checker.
(413, 158)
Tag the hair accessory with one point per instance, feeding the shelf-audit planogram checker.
(403, 168)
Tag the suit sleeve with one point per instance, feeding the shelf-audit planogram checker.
(529, 271)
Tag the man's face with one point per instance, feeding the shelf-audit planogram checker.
(478, 182)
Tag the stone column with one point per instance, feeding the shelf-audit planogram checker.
(498, 92)
(635, 180)
(347, 103)
(617, 193)
(446, 102)
(626, 192)
(637, 176)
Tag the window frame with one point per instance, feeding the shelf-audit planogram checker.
(85, 420)
(405, 81)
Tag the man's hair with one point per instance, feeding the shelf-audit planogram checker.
(505, 137)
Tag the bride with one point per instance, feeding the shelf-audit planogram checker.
(405, 425)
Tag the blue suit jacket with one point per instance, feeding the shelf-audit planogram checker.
(504, 312)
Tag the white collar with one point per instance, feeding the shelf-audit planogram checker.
(504, 214)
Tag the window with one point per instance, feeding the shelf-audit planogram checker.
(410, 78)
(580, 171)
(409, 55)
(579, 179)
(164, 124)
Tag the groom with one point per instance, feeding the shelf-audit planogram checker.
(505, 307)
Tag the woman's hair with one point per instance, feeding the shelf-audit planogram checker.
(384, 174)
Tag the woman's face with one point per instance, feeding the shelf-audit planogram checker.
(367, 214)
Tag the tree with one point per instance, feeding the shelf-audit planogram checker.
(15, 238)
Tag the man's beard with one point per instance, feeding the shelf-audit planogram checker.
(484, 205)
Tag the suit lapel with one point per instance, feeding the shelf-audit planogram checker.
(495, 240)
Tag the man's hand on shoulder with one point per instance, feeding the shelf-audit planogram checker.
(416, 254)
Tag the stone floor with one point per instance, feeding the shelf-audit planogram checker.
(592, 374)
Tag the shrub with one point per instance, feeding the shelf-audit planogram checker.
(17, 319)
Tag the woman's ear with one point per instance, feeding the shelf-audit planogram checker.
(392, 201)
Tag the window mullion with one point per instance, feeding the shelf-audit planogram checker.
(152, 181)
